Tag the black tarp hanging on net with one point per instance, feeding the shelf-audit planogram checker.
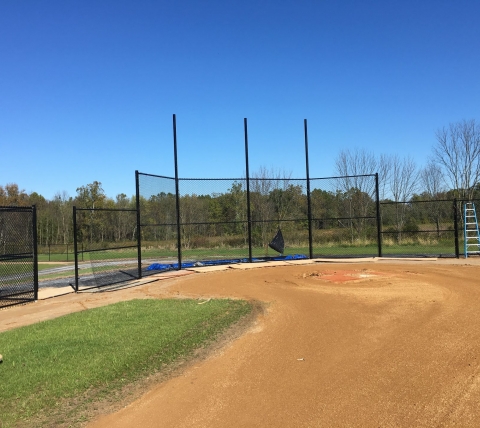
(278, 244)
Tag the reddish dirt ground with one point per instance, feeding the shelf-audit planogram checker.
(385, 344)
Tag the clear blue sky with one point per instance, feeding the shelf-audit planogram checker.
(88, 88)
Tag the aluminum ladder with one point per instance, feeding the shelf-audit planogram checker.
(471, 233)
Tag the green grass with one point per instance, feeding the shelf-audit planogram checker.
(70, 361)
(43, 266)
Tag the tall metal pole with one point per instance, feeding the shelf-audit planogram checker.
(35, 252)
(177, 193)
(139, 237)
(379, 217)
(309, 202)
(247, 173)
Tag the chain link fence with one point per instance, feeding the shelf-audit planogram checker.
(106, 247)
(345, 216)
(18, 263)
(202, 221)
(433, 228)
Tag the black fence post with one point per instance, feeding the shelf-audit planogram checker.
(247, 174)
(35, 252)
(75, 246)
(139, 238)
(379, 217)
(455, 227)
(309, 202)
(177, 194)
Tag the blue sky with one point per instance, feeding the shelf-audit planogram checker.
(88, 88)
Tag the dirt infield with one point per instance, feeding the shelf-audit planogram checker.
(370, 344)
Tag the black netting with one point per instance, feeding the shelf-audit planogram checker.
(213, 219)
(341, 219)
(107, 246)
(344, 237)
(278, 243)
(17, 256)
(344, 219)
(279, 204)
(158, 220)
(418, 228)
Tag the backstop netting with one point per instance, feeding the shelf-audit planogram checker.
(107, 247)
(344, 216)
(18, 266)
(279, 204)
(213, 219)
(419, 228)
(158, 220)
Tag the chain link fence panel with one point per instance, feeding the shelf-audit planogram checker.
(18, 266)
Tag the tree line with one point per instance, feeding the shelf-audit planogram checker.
(453, 171)
(54, 217)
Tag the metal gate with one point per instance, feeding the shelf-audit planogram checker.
(18, 255)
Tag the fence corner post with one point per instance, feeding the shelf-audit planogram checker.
(35, 253)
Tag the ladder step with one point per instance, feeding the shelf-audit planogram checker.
(471, 232)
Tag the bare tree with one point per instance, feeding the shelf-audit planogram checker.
(270, 201)
(431, 180)
(403, 183)
(458, 152)
(403, 180)
(358, 187)
(353, 166)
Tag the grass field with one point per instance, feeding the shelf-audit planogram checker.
(53, 370)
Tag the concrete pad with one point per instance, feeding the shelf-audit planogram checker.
(245, 266)
(352, 260)
(300, 262)
(407, 259)
(170, 274)
(205, 269)
(47, 293)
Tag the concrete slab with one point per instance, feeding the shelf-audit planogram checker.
(245, 266)
(300, 262)
(47, 293)
(353, 260)
(206, 269)
(170, 274)
(407, 259)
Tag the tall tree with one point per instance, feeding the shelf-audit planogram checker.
(458, 152)
(91, 195)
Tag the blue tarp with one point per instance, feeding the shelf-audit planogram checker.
(174, 266)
